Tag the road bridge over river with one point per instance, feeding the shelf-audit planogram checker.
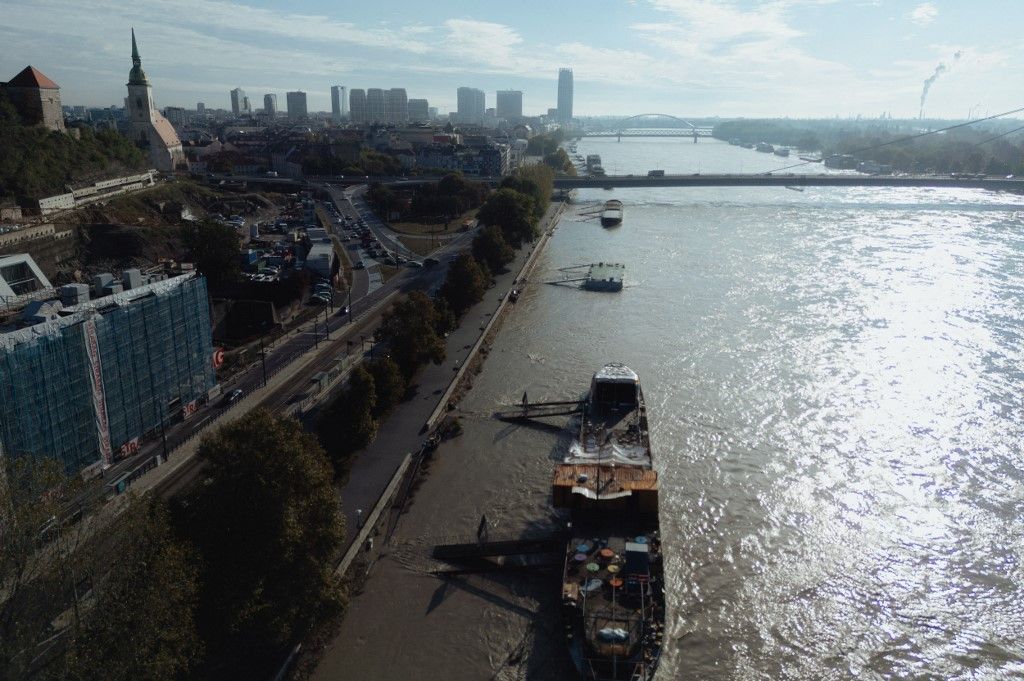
(696, 180)
(787, 180)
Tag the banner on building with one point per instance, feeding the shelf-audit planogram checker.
(189, 410)
(99, 399)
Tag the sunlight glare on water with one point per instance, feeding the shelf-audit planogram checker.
(835, 387)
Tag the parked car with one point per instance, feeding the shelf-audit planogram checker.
(360, 265)
(413, 263)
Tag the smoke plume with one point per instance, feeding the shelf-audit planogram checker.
(939, 70)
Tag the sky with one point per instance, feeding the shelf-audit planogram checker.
(776, 58)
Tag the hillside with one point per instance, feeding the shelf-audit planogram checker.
(37, 162)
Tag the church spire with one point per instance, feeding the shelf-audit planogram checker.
(137, 75)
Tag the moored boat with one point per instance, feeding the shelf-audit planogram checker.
(613, 597)
(611, 214)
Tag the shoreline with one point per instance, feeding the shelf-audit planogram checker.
(368, 567)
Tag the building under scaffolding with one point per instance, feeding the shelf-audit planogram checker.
(88, 385)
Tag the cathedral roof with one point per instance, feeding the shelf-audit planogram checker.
(32, 77)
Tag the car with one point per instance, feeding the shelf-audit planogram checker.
(1009, 177)
(429, 262)
(414, 263)
(232, 397)
(360, 265)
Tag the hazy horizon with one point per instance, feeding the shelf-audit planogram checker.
(786, 58)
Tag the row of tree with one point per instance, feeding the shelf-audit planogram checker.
(994, 147)
(414, 329)
(215, 587)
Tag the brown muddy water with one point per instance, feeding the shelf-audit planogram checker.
(835, 391)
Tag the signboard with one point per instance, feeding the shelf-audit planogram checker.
(218, 358)
(99, 400)
(129, 448)
(189, 410)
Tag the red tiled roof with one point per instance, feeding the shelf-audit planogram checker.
(32, 77)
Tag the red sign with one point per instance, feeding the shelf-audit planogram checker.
(189, 409)
(218, 358)
(129, 448)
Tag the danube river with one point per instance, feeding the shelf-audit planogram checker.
(836, 396)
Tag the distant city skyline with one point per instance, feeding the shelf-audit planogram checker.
(794, 58)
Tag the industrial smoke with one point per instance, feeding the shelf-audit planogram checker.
(939, 70)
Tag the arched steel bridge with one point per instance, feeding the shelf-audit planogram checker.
(626, 128)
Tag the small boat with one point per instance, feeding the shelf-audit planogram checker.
(764, 147)
(611, 214)
(782, 151)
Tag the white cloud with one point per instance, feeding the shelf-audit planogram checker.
(924, 13)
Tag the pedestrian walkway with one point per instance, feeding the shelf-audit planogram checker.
(402, 433)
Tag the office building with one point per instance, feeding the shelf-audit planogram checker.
(92, 378)
(200, 109)
(339, 102)
(237, 101)
(375, 111)
(565, 95)
(419, 112)
(357, 105)
(396, 106)
(270, 105)
(471, 105)
(297, 105)
(509, 104)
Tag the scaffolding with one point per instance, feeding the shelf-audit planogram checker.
(91, 385)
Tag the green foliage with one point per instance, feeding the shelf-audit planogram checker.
(36, 584)
(542, 145)
(143, 616)
(383, 198)
(512, 212)
(968, 149)
(215, 250)
(36, 162)
(465, 284)
(490, 248)
(389, 385)
(559, 161)
(348, 423)
(536, 181)
(410, 330)
(268, 528)
(453, 195)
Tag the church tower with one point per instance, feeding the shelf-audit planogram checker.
(149, 129)
(140, 93)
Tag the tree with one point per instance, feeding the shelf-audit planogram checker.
(512, 212)
(538, 181)
(143, 616)
(215, 250)
(490, 248)
(348, 423)
(38, 566)
(410, 330)
(268, 527)
(465, 284)
(389, 385)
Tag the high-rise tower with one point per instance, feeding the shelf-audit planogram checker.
(565, 95)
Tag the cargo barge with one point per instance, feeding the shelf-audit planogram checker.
(613, 596)
(611, 214)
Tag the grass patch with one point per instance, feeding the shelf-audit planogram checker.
(420, 246)
(388, 271)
